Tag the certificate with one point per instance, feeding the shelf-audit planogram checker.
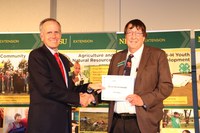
(117, 88)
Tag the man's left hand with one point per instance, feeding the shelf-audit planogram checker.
(135, 100)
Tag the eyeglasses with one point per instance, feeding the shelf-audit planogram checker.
(130, 32)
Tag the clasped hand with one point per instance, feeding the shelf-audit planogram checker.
(86, 99)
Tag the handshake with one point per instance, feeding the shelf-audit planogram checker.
(87, 98)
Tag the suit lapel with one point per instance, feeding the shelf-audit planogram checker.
(52, 59)
(123, 62)
(143, 61)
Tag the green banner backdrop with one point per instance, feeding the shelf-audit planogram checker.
(89, 41)
(19, 41)
(176, 43)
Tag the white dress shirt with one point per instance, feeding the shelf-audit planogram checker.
(126, 107)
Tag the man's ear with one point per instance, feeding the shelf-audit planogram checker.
(41, 36)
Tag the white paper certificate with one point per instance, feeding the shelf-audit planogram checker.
(117, 88)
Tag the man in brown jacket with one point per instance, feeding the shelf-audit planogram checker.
(142, 110)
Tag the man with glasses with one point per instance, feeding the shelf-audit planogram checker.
(142, 110)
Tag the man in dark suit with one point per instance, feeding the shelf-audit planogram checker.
(51, 88)
(142, 111)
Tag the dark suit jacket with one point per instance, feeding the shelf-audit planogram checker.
(153, 83)
(50, 99)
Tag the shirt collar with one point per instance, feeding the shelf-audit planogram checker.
(51, 50)
(138, 53)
